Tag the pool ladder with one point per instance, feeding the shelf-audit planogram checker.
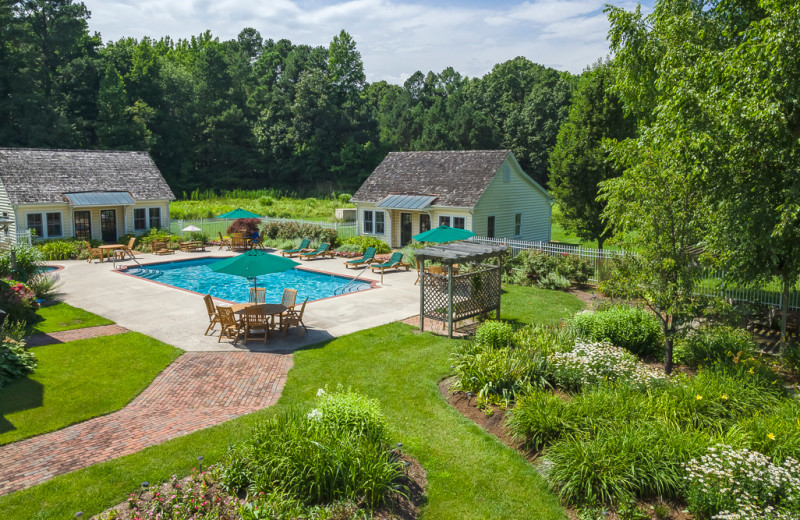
(349, 286)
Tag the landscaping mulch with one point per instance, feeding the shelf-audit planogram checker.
(493, 421)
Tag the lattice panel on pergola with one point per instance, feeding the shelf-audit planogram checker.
(474, 293)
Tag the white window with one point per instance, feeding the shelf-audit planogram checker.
(45, 225)
(454, 222)
(146, 218)
(374, 222)
(518, 224)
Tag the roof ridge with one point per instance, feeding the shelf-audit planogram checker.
(71, 150)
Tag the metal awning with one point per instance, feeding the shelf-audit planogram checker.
(416, 202)
(100, 198)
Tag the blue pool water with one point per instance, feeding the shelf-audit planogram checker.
(195, 275)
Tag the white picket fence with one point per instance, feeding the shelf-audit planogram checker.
(712, 282)
(11, 240)
(212, 226)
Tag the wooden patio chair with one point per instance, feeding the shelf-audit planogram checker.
(160, 248)
(223, 242)
(230, 327)
(213, 317)
(256, 324)
(94, 252)
(394, 262)
(302, 248)
(129, 248)
(294, 318)
(289, 298)
(257, 295)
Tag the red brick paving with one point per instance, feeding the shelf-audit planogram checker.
(63, 336)
(198, 390)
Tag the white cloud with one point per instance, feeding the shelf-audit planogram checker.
(395, 37)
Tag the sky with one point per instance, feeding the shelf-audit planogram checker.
(395, 37)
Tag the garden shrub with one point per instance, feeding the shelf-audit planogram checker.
(592, 363)
(18, 300)
(791, 357)
(27, 264)
(536, 265)
(554, 282)
(317, 458)
(15, 360)
(363, 242)
(45, 285)
(248, 226)
(574, 268)
(497, 375)
(292, 230)
(628, 327)
(156, 235)
(540, 418)
(543, 339)
(775, 432)
(726, 483)
(714, 344)
(59, 249)
(494, 334)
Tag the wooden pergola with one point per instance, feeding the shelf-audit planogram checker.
(454, 297)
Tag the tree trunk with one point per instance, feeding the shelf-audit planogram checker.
(668, 355)
(784, 309)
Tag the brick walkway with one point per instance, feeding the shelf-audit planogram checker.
(198, 390)
(63, 336)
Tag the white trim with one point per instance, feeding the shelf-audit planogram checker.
(450, 220)
(147, 220)
(374, 222)
(43, 215)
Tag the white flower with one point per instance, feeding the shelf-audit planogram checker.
(315, 415)
(320, 392)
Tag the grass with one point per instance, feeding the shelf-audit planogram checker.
(515, 305)
(78, 380)
(311, 208)
(471, 475)
(64, 317)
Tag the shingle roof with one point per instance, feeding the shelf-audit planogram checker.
(458, 178)
(33, 176)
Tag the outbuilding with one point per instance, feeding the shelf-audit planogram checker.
(87, 194)
(484, 191)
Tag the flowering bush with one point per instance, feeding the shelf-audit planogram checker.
(714, 344)
(591, 363)
(18, 300)
(730, 484)
(291, 230)
(15, 359)
(628, 327)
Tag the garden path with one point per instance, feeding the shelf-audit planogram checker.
(62, 336)
(198, 390)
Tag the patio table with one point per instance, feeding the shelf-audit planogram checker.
(269, 309)
(108, 249)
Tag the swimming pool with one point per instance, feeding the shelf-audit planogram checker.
(196, 276)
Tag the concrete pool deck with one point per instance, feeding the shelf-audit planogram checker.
(179, 318)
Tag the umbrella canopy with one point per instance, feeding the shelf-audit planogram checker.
(239, 213)
(191, 228)
(253, 263)
(444, 234)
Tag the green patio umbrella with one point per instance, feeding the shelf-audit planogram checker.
(253, 263)
(443, 234)
(239, 213)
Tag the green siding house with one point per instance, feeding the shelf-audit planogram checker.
(87, 194)
(484, 191)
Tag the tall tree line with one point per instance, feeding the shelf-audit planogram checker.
(251, 111)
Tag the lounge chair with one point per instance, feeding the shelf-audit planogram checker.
(303, 248)
(369, 256)
(293, 318)
(321, 251)
(213, 318)
(394, 262)
(255, 323)
(229, 326)
(257, 295)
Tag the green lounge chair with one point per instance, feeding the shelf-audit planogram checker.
(321, 251)
(394, 262)
(369, 256)
(296, 251)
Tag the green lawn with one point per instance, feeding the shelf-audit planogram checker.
(471, 475)
(516, 305)
(78, 380)
(61, 316)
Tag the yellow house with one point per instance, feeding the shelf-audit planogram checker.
(484, 191)
(85, 194)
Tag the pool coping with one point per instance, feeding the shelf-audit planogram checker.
(373, 284)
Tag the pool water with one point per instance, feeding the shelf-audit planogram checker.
(195, 275)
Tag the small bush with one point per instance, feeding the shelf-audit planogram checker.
(248, 226)
(18, 300)
(536, 265)
(628, 327)
(59, 249)
(494, 334)
(15, 360)
(574, 268)
(318, 457)
(363, 242)
(714, 344)
(554, 282)
(540, 418)
(742, 485)
(45, 285)
(791, 357)
(28, 261)
(544, 340)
